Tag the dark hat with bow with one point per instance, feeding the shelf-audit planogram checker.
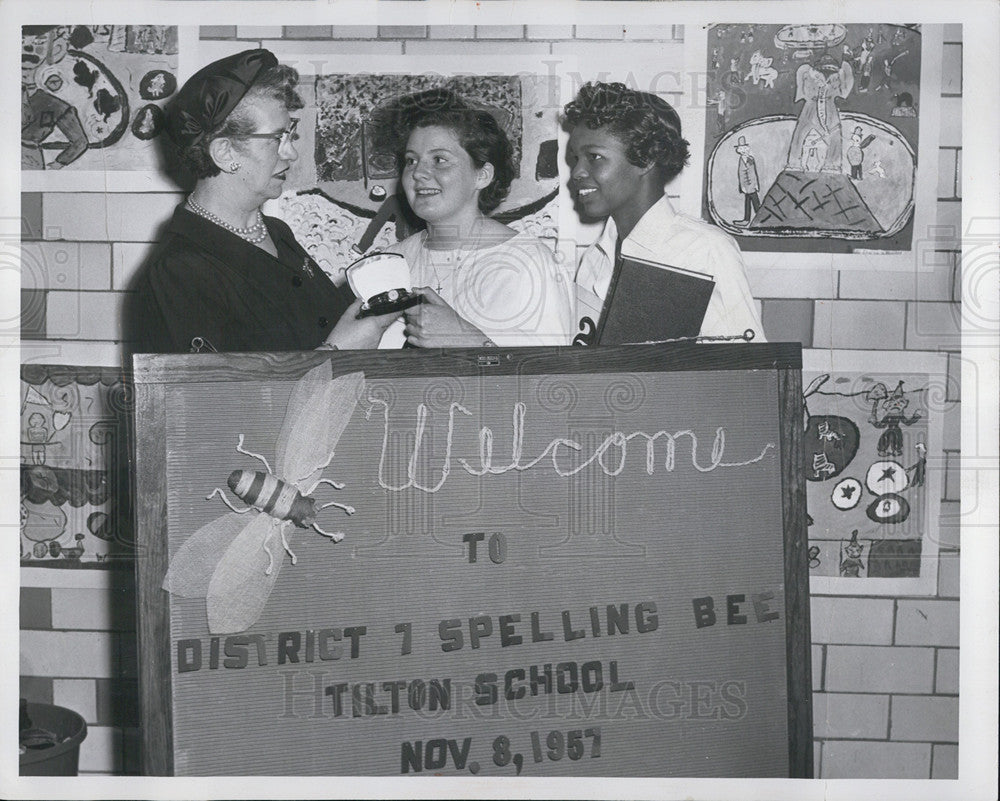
(210, 95)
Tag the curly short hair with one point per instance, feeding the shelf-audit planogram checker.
(277, 83)
(477, 131)
(646, 124)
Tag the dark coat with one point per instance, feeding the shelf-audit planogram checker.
(204, 281)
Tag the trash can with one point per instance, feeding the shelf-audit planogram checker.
(50, 745)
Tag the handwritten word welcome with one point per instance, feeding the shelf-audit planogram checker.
(610, 455)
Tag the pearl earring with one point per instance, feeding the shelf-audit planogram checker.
(234, 167)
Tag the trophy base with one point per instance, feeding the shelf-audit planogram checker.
(395, 300)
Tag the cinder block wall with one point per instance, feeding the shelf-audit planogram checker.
(885, 670)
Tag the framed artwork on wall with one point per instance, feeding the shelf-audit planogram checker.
(874, 469)
(92, 105)
(819, 141)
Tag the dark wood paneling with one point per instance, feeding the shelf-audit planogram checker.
(153, 621)
(799, 663)
(536, 361)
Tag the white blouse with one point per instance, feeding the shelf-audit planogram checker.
(515, 292)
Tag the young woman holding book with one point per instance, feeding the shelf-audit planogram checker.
(624, 147)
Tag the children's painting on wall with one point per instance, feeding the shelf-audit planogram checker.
(74, 467)
(812, 135)
(345, 201)
(873, 466)
(92, 98)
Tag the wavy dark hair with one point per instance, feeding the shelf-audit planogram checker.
(477, 130)
(277, 83)
(646, 124)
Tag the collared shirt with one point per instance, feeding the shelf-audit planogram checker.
(206, 282)
(667, 237)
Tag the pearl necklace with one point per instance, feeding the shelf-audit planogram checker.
(255, 234)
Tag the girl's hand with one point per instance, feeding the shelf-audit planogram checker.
(434, 324)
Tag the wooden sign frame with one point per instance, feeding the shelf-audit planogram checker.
(153, 375)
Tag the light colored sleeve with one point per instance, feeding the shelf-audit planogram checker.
(732, 308)
(408, 249)
(520, 296)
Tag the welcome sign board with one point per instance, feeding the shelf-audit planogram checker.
(546, 562)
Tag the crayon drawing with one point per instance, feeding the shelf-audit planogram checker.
(74, 502)
(814, 134)
(873, 469)
(92, 96)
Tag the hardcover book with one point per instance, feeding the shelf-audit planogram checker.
(651, 302)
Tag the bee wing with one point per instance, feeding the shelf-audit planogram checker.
(191, 567)
(240, 584)
(318, 412)
(304, 406)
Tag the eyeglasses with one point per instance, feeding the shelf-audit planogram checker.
(281, 137)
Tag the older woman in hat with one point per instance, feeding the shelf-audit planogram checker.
(624, 148)
(225, 277)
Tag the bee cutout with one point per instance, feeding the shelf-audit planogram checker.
(233, 561)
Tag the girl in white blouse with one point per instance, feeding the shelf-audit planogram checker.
(483, 283)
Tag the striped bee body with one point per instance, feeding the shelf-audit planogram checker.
(273, 496)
